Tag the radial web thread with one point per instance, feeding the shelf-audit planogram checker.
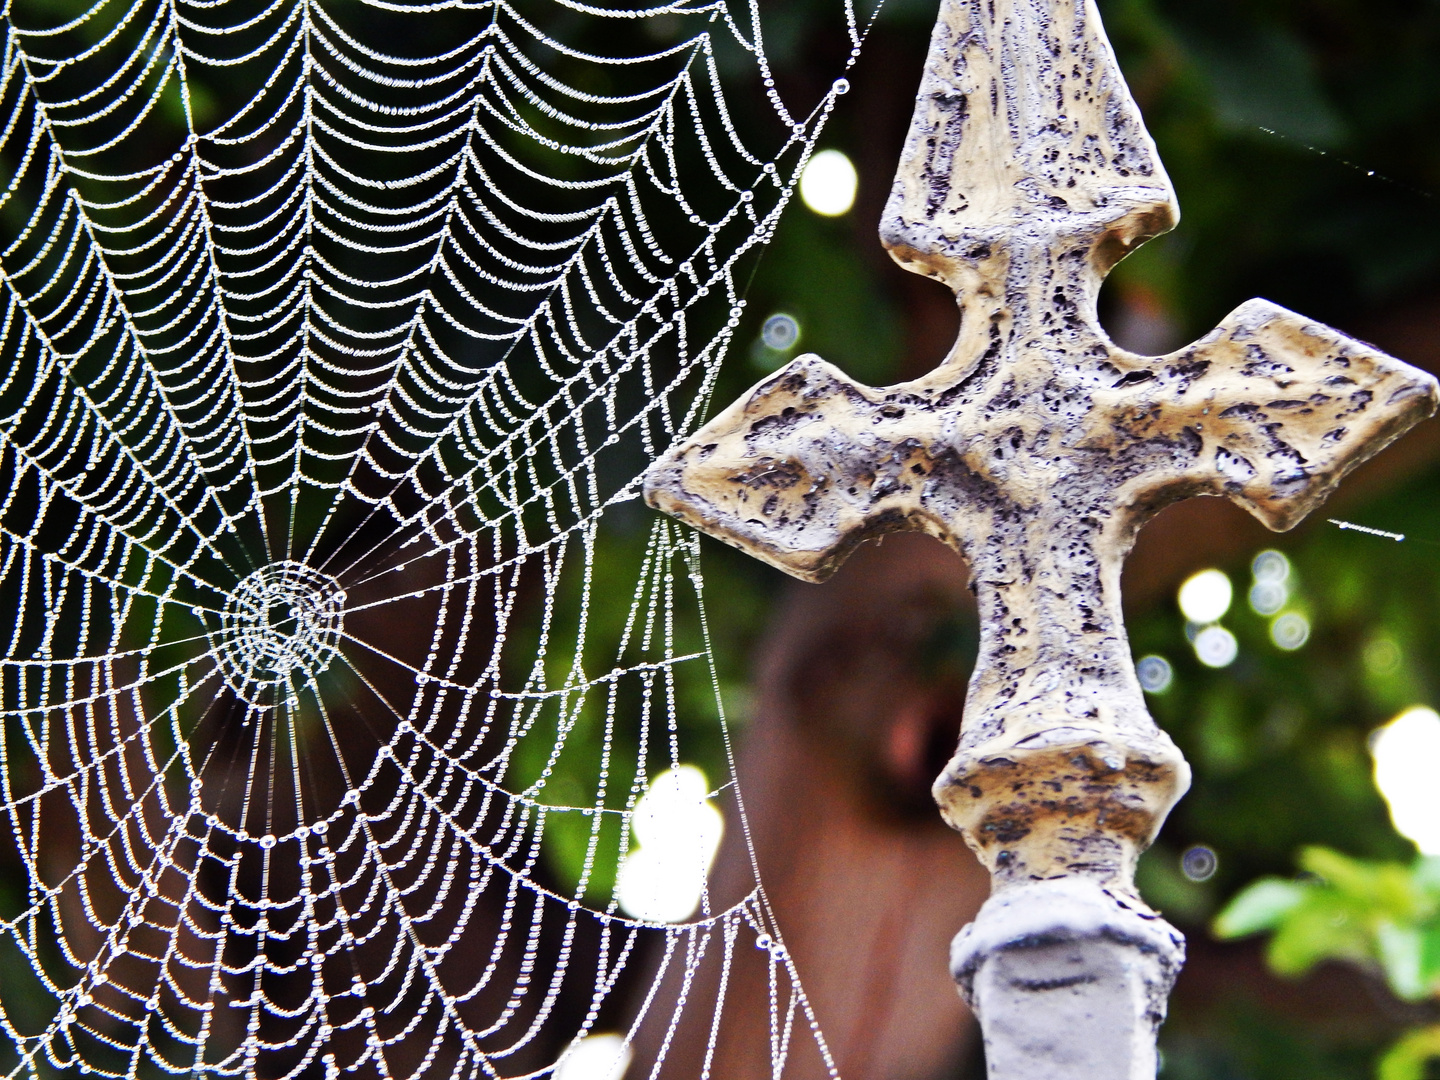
(335, 338)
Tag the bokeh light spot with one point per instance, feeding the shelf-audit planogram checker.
(1268, 597)
(1271, 590)
(1270, 566)
(1382, 656)
(1290, 631)
(1155, 674)
(1407, 760)
(780, 332)
(678, 831)
(596, 1057)
(1205, 596)
(1216, 647)
(1199, 863)
(828, 184)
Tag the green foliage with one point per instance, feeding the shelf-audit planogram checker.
(1278, 741)
(1260, 906)
(833, 295)
(1278, 738)
(1407, 1059)
(1255, 1043)
(1385, 916)
(1300, 136)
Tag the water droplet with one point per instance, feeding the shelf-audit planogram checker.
(283, 622)
(842, 86)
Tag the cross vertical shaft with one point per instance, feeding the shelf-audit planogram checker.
(1038, 449)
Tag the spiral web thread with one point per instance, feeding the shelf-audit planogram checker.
(335, 338)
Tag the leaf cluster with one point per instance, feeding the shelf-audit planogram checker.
(1382, 915)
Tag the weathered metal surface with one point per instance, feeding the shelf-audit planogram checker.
(1071, 981)
(1038, 448)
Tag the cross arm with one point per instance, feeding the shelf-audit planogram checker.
(1270, 409)
(804, 468)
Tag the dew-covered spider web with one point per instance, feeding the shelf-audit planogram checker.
(335, 337)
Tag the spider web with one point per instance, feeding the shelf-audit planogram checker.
(335, 339)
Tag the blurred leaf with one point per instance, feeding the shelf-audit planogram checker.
(1430, 957)
(1400, 949)
(1260, 906)
(1427, 874)
(1385, 888)
(1323, 927)
(1406, 1060)
(1369, 913)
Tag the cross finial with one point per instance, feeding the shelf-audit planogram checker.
(1024, 134)
(1038, 448)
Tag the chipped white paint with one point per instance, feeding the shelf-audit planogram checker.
(1038, 449)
